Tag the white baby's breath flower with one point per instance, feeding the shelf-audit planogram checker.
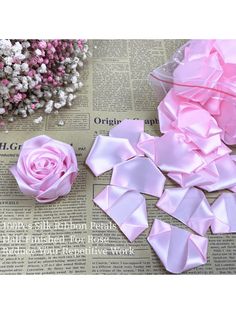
(38, 120)
(19, 86)
(8, 69)
(74, 79)
(8, 60)
(42, 68)
(17, 67)
(38, 52)
(25, 44)
(57, 105)
(20, 56)
(17, 47)
(15, 73)
(24, 67)
(15, 81)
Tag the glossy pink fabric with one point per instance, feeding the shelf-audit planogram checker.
(139, 174)
(170, 152)
(224, 210)
(108, 151)
(131, 130)
(204, 71)
(226, 170)
(182, 115)
(207, 63)
(226, 120)
(126, 207)
(206, 76)
(190, 206)
(178, 249)
(173, 153)
(212, 65)
(46, 168)
(217, 175)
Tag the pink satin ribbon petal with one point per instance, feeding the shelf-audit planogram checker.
(190, 118)
(190, 206)
(108, 151)
(226, 120)
(226, 48)
(178, 249)
(126, 207)
(139, 174)
(173, 154)
(203, 71)
(131, 130)
(226, 169)
(224, 210)
(147, 145)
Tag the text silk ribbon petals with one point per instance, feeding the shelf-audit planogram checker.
(178, 249)
(224, 210)
(190, 206)
(127, 208)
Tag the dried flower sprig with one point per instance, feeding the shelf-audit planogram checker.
(38, 74)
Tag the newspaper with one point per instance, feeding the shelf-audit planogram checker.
(72, 235)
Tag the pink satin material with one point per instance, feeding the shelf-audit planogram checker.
(218, 175)
(224, 210)
(139, 174)
(126, 207)
(202, 69)
(131, 130)
(226, 120)
(191, 150)
(108, 151)
(182, 115)
(190, 206)
(211, 64)
(208, 63)
(46, 168)
(178, 250)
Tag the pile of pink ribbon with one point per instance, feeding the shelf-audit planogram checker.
(196, 116)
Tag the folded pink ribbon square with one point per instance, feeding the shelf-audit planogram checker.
(126, 207)
(178, 249)
(226, 169)
(131, 130)
(224, 210)
(171, 152)
(139, 174)
(190, 118)
(108, 151)
(188, 205)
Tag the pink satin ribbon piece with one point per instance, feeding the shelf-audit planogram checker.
(126, 207)
(190, 206)
(178, 249)
(224, 210)
(139, 174)
(108, 151)
(131, 130)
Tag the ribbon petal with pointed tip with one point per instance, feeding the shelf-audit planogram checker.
(224, 210)
(126, 207)
(190, 206)
(108, 151)
(139, 174)
(178, 249)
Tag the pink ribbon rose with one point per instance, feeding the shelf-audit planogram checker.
(46, 168)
